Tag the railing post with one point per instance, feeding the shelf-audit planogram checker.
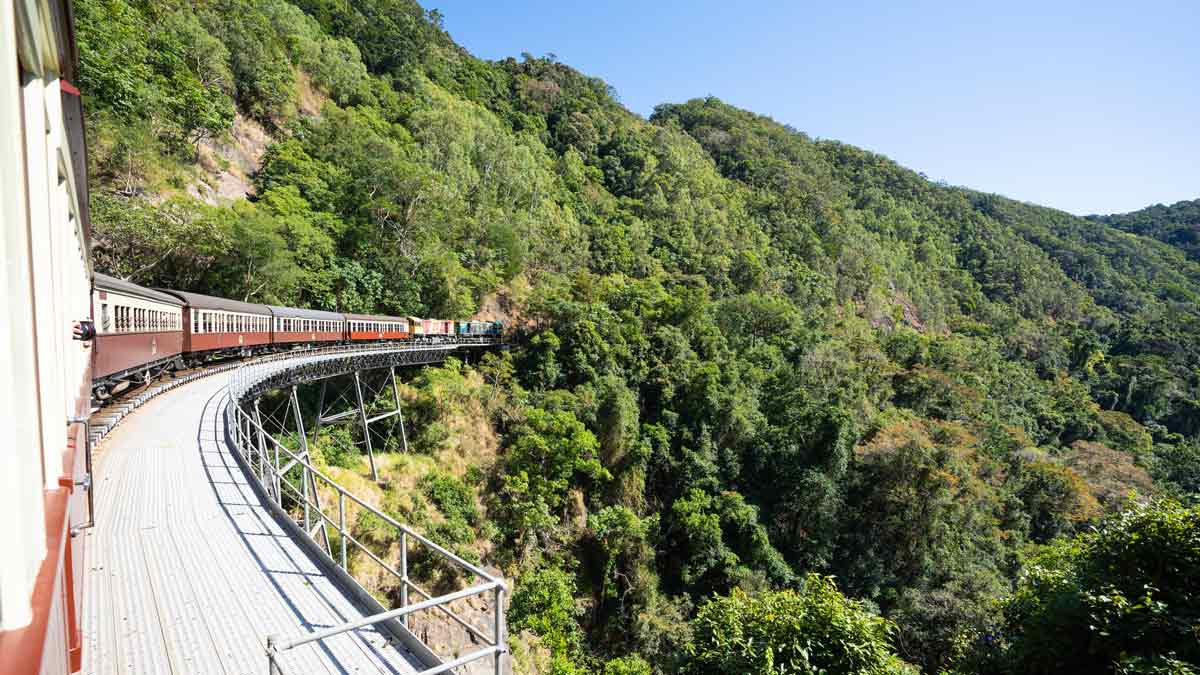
(243, 432)
(498, 630)
(237, 425)
(404, 575)
(303, 450)
(272, 652)
(342, 527)
(262, 443)
(276, 478)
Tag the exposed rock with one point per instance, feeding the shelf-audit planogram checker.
(229, 163)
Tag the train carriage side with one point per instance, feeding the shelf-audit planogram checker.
(215, 327)
(139, 332)
(291, 325)
(375, 327)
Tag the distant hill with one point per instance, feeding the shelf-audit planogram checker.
(1177, 224)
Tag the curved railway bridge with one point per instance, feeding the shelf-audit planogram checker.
(219, 548)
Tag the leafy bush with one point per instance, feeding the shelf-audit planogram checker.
(544, 603)
(1118, 599)
(810, 631)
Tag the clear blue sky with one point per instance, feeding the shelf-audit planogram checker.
(1091, 107)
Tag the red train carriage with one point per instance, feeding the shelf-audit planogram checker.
(438, 330)
(219, 327)
(139, 333)
(375, 327)
(306, 325)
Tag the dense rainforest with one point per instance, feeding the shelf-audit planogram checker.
(775, 404)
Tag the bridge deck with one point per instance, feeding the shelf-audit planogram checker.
(187, 570)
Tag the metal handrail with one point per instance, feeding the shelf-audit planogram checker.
(89, 481)
(270, 460)
(299, 460)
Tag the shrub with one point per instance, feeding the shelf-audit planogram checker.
(810, 631)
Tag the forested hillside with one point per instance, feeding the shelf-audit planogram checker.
(1177, 224)
(777, 404)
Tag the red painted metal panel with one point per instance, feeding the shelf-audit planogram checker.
(307, 336)
(378, 335)
(117, 352)
(202, 342)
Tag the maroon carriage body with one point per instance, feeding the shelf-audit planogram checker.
(137, 328)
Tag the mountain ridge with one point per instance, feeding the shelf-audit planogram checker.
(745, 358)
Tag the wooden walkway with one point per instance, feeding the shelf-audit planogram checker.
(187, 571)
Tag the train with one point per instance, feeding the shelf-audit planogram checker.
(143, 333)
